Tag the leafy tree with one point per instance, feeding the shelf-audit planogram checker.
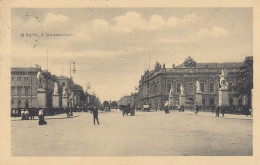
(189, 62)
(105, 103)
(244, 82)
(114, 104)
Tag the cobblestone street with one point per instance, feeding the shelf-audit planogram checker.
(146, 134)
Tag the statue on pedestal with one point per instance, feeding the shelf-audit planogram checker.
(56, 88)
(63, 91)
(198, 90)
(40, 80)
(223, 83)
(182, 90)
(171, 93)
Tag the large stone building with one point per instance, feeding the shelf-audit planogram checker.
(155, 85)
(24, 86)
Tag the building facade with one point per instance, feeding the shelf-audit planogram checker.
(155, 86)
(24, 86)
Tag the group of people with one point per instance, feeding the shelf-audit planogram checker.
(27, 113)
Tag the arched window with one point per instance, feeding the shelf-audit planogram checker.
(231, 101)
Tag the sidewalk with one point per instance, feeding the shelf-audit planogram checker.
(57, 116)
(210, 114)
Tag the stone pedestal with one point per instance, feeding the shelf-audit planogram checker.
(55, 100)
(182, 100)
(171, 101)
(198, 100)
(41, 98)
(64, 101)
(223, 97)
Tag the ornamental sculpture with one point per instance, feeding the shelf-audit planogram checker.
(171, 92)
(40, 79)
(56, 88)
(64, 91)
(182, 90)
(198, 90)
(223, 83)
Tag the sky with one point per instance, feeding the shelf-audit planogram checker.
(111, 46)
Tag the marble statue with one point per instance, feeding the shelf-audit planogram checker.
(64, 91)
(171, 92)
(223, 83)
(182, 90)
(40, 80)
(198, 90)
(56, 88)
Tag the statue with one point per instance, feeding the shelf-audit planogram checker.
(198, 90)
(223, 83)
(40, 79)
(56, 90)
(171, 92)
(182, 90)
(63, 91)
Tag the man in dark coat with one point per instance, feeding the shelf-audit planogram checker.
(217, 111)
(95, 115)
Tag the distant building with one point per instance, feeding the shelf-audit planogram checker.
(154, 86)
(124, 100)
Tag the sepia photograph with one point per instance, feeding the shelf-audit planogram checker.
(131, 82)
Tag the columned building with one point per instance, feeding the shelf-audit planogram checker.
(155, 86)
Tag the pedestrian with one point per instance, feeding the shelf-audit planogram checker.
(22, 114)
(31, 113)
(212, 108)
(222, 111)
(68, 112)
(166, 108)
(196, 109)
(41, 118)
(217, 111)
(182, 108)
(95, 115)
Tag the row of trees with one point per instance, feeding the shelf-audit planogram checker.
(110, 104)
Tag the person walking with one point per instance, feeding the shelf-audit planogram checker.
(41, 118)
(222, 111)
(31, 113)
(95, 115)
(217, 111)
(212, 108)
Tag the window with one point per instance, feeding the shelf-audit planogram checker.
(19, 91)
(63, 83)
(26, 91)
(19, 78)
(211, 87)
(12, 79)
(231, 101)
(178, 87)
(230, 88)
(202, 87)
(26, 78)
(190, 87)
(12, 90)
(168, 87)
(203, 101)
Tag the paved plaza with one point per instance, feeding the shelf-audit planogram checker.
(146, 134)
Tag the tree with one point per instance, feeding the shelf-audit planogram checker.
(105, 103)
(244, 82)
(189, 62)
(173, 65)
(114, 104)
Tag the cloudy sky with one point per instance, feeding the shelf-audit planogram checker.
(111, 46)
